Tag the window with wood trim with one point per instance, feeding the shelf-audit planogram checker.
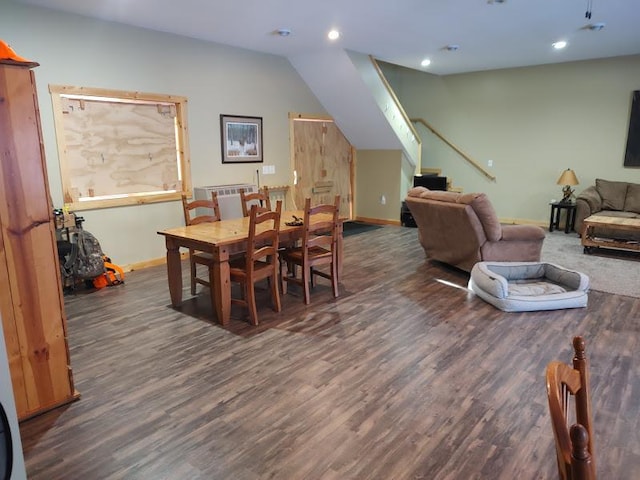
(120, 148)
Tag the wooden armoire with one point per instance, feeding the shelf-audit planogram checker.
(31, 301)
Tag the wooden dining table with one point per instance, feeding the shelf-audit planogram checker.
(223, 239)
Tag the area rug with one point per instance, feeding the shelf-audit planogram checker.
(354, 228)
(608, 271)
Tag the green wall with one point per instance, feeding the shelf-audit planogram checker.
(378, 175)
(531, 122)
(216, 79)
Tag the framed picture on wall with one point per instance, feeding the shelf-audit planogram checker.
(241, 139)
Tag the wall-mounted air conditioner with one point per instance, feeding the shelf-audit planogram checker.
(228, 197)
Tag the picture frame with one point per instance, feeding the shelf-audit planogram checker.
(241, 139)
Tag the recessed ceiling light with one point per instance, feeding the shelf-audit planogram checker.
(426, 62)
(333, 35)
(559, 45)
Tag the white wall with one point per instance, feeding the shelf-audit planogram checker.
(217, 79)
(532, 122)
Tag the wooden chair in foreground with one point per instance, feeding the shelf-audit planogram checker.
(191, 217)
(260, 261)
(319, 247)
(262, 196)
(574, 446)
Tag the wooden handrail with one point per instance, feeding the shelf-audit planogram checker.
(456, 149)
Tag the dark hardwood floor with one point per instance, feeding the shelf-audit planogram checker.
(407, 375)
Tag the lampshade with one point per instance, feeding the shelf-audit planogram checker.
(568, 177)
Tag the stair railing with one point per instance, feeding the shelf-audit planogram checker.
(456, 149)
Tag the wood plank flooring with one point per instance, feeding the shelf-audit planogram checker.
(407, 375)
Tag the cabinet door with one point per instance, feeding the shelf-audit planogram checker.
(32, 305)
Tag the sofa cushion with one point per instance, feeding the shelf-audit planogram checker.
(632, 202)
(613, 193)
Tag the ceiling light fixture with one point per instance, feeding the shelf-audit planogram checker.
(596, 27)
(333, 35)
(559, 45)
(426, 62)
(283, 32)
(452, 48)
(588, 13)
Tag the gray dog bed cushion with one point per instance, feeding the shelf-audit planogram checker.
(529, 286)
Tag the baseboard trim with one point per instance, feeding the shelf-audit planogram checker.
(154, 262)
(378, 221)
(523, 221)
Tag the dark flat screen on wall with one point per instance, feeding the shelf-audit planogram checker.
(632, 155)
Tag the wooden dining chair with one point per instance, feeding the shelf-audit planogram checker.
(567, 385)
(318, 247)
(260, 261)
(260, 198)
(195, 212)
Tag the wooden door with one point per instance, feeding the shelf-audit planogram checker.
(322, 162)
(31, 294)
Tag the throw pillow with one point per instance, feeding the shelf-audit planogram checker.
(612, 193)
(632, 203)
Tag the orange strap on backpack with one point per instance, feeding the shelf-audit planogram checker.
(114, 275)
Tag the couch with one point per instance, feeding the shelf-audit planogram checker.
(463, 229)
(606, 197)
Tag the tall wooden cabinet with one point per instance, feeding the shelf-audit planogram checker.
(31, 299)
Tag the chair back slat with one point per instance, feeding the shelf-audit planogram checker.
(190, 213)
(260, 198)
(569, 386)
(264, 230)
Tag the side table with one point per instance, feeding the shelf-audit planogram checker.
(554, 219)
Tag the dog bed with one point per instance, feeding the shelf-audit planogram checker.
(529, 286)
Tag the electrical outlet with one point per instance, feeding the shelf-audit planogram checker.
(489, 163)
(383, 200)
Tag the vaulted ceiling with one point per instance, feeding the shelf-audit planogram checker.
(489, 34)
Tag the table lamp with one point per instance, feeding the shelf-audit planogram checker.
(568, 178)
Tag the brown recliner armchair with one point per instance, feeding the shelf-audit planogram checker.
(463, 229)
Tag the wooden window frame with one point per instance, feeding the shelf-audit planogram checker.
(75, 203)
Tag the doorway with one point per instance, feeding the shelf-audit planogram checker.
(323, 163)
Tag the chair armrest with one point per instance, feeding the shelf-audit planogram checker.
(522, 232)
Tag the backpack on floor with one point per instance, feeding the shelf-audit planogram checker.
(113, 275)
(88, 263)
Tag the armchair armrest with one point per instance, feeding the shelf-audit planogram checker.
(522, 232)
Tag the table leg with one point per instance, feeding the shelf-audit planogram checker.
(340, 249)
(221, 284)
(174, 272)
(572, 226)
(567, 225)
(551, 219)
